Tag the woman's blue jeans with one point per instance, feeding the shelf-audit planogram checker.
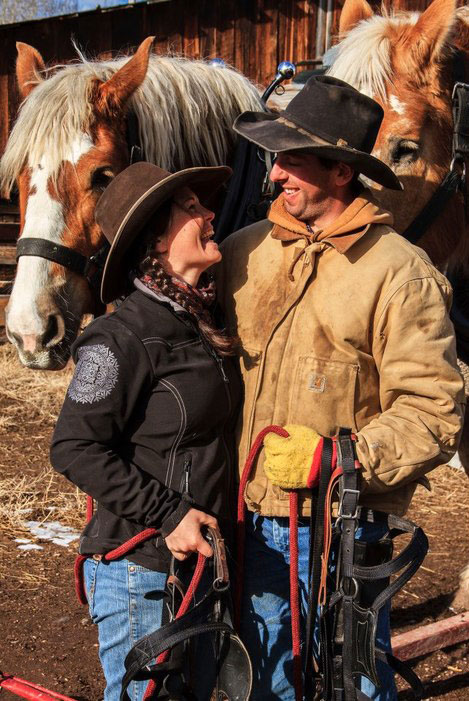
(126, 602)
(266, 615)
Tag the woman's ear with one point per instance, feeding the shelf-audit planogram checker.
(161, 244)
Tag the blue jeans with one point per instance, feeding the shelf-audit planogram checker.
(266, 617)
(126, 603)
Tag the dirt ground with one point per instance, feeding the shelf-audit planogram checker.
(45, 635)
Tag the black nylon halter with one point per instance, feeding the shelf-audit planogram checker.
(455, 179)
(89, 267)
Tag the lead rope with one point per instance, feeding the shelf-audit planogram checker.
(120, 551)
(294, 579)
(192, 588)
(294, 583)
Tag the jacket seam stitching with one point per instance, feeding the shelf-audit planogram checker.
(121, 323)
(407, 282)
(172, 454)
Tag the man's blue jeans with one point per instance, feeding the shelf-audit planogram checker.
(266, 619)
(126, 602)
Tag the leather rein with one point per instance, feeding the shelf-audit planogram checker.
(455, 179)
(89, 267)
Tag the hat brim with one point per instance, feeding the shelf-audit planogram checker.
(265, 130)
(205, 181)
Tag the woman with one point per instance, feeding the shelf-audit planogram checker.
(146, 428)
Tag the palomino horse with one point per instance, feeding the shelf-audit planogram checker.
(406, 61)
(69, 141)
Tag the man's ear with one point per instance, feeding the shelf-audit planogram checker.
(344, 174)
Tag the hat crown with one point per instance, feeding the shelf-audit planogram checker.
(336, 112)
(122, 193)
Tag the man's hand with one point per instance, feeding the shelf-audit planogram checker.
(293, 462)
(187, 537)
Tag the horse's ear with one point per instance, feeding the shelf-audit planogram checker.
(433, 29)
(114, 93)
(353, 11)
(29, 64)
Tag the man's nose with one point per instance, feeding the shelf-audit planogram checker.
(277, 174)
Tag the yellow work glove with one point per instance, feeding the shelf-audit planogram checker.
(293, 462)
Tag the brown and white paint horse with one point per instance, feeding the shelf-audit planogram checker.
(69, 141)
(406, 62)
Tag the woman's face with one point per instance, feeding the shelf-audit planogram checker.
(186, 248)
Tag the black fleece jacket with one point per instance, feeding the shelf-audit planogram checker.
(147, 426)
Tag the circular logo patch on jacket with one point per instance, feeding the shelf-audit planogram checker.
(95, 375)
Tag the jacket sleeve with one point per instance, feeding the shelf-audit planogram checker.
(112, 376)
(421, 388)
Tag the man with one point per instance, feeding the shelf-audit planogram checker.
(342, 324)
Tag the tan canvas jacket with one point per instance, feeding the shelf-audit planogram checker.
(351, 330)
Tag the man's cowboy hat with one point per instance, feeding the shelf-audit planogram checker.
(131, 199)
(328, 118)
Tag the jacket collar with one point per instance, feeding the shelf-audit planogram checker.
(346, 230)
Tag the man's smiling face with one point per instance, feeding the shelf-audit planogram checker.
(307, 184)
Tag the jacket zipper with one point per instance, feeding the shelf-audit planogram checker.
(186, 474)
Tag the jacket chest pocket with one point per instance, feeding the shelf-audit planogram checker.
(323, 395)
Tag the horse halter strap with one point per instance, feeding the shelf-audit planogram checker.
(455, 179)
(55, 252)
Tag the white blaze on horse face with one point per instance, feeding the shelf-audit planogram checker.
(32, 299)
(43, 219)
(397, 105)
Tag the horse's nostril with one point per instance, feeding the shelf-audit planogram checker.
(54, 331)
(15, 338)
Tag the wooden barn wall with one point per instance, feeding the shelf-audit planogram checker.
(253, 35)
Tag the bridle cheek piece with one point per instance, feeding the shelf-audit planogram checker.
(455, 179)
(88, 267)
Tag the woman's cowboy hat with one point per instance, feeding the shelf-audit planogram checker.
(329, 118)
(131, 199)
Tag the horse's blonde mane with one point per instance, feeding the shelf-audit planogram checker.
(185, 109)
(363, 57)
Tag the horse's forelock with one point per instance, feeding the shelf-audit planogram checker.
(185, 110)
(364, 57)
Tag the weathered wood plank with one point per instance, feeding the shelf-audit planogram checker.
(7, 255)
(9, 231)
(434, 636)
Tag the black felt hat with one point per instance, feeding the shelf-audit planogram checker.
(329, 118)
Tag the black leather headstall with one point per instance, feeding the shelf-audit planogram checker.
(55, 252)
(455, 180)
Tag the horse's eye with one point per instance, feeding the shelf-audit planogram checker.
(100, 178)
(404, 152)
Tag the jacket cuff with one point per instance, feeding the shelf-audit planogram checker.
(176, 517)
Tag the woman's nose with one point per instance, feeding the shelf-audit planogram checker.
(208, 214)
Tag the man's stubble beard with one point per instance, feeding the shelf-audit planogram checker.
(309, 211)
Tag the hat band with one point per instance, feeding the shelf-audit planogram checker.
(315, 138)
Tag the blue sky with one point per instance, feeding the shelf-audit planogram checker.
(83, 5)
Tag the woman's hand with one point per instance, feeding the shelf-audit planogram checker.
(187, 537)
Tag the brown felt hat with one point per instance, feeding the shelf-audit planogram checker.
(329, 118)
(131, 199)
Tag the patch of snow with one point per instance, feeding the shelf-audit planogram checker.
(53, 531)
(30, 546)
(455, 462)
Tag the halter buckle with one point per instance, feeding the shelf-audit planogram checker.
(356, 513)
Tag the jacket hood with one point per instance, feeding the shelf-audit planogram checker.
(344, 231)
